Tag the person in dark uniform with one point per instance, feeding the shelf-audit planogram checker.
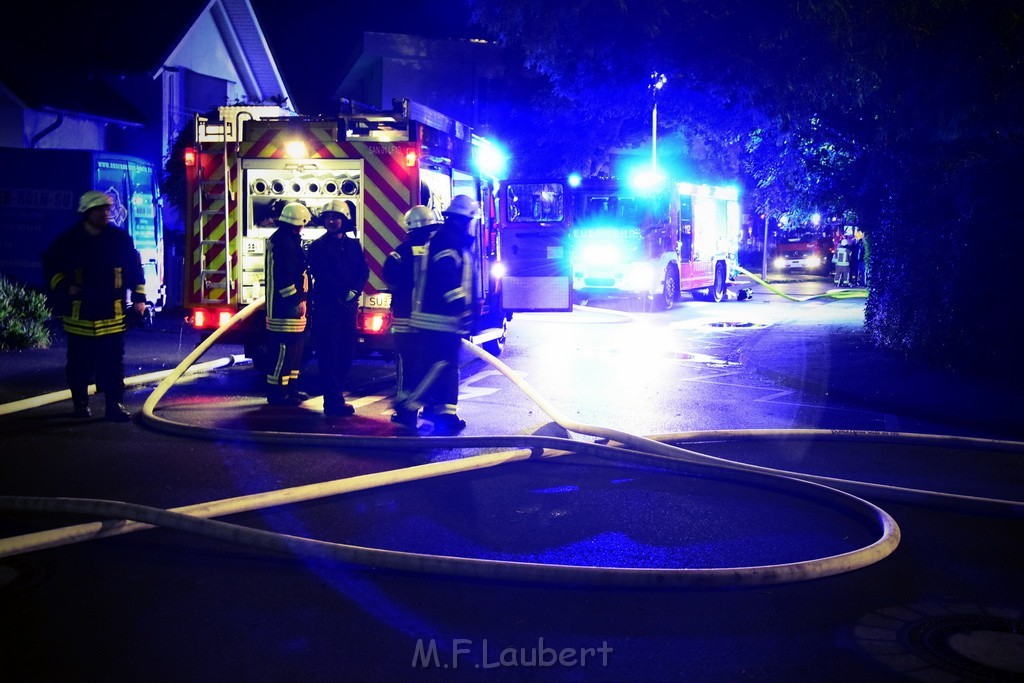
(90, 269)
(287, 289)
(402, 268)
(340, 272)
(442, 312)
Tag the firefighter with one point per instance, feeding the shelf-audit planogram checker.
(287, 289)
(339, 271)
(90, 267)
(401, 270)
(442, 312)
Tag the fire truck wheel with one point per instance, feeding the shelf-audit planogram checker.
(669, 294)
(717, 291)
(496, 346)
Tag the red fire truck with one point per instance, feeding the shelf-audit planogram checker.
(598, 237)
(250, 162)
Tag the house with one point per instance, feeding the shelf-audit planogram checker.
(128, 77)
(456, 76)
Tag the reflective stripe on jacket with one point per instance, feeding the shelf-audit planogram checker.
(442, 295)
(104, 268)
(287, 281)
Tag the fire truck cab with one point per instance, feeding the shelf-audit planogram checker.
(252, 161)
(599, 237)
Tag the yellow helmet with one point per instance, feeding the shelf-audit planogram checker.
(93, 199)
(295, 213)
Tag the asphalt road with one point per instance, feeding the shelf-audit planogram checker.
(587, 565)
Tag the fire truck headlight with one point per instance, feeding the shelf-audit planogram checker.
(638, 278)
(812, 261)
(600, 254)
(498, 271)
(779, 263)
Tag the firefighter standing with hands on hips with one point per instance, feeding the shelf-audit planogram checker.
(287, 289)
(339, 272)
(90, 267)
(442, 312)
(402, 268)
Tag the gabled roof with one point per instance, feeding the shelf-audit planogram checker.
(68, 67)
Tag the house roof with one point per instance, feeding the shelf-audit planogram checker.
(70, 67)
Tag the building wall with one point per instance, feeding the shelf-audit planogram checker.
(450, 76)
(72, 133)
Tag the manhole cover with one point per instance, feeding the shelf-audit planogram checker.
(734, 324)
(925, 640)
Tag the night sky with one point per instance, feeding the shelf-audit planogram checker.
(312, 47)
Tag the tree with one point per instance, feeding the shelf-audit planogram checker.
(907, 112)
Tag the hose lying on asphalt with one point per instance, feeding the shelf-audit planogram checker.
(647, 450)
(853, 293)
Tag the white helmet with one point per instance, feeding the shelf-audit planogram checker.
(463, 205)
(92, 199)
(419, 216)
(295, 213)
(345, 207)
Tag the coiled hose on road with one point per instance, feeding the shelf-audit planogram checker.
(658, 449)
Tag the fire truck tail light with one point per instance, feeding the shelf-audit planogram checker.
(205, 319)
(411, 158)
(190, 156)
(373, 323)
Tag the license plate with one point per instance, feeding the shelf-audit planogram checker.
(380, 300)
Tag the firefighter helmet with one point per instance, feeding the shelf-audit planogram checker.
(295, 213)
(419, 216)
(93, 199)
(345, 207)
(463, 205)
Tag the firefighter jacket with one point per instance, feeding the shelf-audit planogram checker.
(402, 268)
(287, 281)
(339, 271)
(442, 296)
(103, 268)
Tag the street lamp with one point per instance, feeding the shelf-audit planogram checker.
(657, 82)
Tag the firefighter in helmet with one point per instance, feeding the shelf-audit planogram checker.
(287, 288)
(402, 268)
(442, 312)
(90, 267)
(339, 271)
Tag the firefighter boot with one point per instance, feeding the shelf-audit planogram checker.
(337, 407)
(448, 425)
(279, 396)
(115, 411)
(80, 400)
(405, 416)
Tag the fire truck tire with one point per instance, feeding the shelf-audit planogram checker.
(669, 294)
(496, 346)
(717, 291)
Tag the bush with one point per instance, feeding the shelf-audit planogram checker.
(23, 316)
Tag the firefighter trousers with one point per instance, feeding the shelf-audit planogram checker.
(285, 360)
(439, 357)
(410, 370)
(334, 335)
(102, 356)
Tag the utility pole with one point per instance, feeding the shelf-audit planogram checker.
(657, 82)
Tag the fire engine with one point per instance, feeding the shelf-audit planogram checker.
(599, 237)
(251, 161)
